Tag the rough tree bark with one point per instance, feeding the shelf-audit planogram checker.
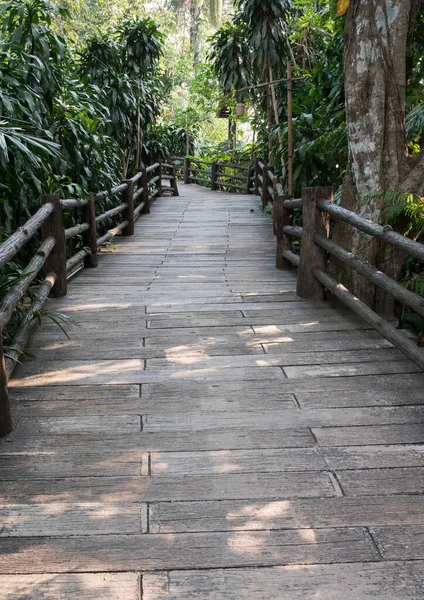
(195, 34)
(378, 34)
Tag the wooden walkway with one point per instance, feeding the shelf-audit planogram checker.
(206, 435)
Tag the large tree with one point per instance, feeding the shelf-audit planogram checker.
(377, 67)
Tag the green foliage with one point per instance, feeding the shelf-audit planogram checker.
(267, 31)
(142, 46)
(402, 208)
(67, 120)
(415, 122)
(240, 154)
(230, 57)
(165, 140)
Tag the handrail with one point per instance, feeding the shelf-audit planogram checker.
(384, 233)
(111, 213)
(367, 270)
(152, 167)
(312, 278)
(214, 175)
(17, 240)
(17, 291)
(21, 338)
(76, 230)
(51, 257)
(73, 203)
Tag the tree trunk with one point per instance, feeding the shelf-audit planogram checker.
(195, 39)
(378, 34)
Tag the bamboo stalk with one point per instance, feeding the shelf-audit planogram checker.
(290, 127)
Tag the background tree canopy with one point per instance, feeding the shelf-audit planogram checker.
(92, 88)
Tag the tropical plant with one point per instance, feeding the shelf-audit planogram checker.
(230, 56)
(267, 33)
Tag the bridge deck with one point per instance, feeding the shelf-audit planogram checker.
(206, 435)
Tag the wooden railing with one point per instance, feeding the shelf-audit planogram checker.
(215, 175)
(265, 183)
(134, 197)
(313, 279)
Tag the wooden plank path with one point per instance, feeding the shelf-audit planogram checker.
(206, 435)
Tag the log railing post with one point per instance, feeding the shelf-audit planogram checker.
(56, 261)
(186, 170)
(265, 183)
(159, 182)
(89, 237)
(214, 185)
(312, 256)
(257, 169)
(145, 185)
(5, 415)
(274, 206)
(128, 213)
(283, 217)
(249, 179)
(174, 183)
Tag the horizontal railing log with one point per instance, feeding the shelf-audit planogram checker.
(215, 175)
(316, 247)
(393, 335)
(77, 203)
(134, 195)
(113, 212)
(383, 233)
(76, 230)
(17, 240)
(16, 292)
(77, 259)
(20, 340)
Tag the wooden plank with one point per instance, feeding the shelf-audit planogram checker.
(392, 581)
(237, 486)
(321, 419)
(88, 443)
(227, 439)
(321, 359)
(242, 515)
(374, 434)
(117, 424)
(213, 306)
(374, 457)
(403, 542)
(353, 369)
(382, 482)
(74, 392)
(127, 371)
(194, 550)
(165, 464)
(72, 462)
(350, 398)
(86, 586)
(68, 408)
(313, 324)
(34, 374)
(72, 490)
(61, 519)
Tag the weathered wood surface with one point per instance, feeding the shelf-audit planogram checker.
(392, 581)
(85, 586)
(234, 515)
(200, 418)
